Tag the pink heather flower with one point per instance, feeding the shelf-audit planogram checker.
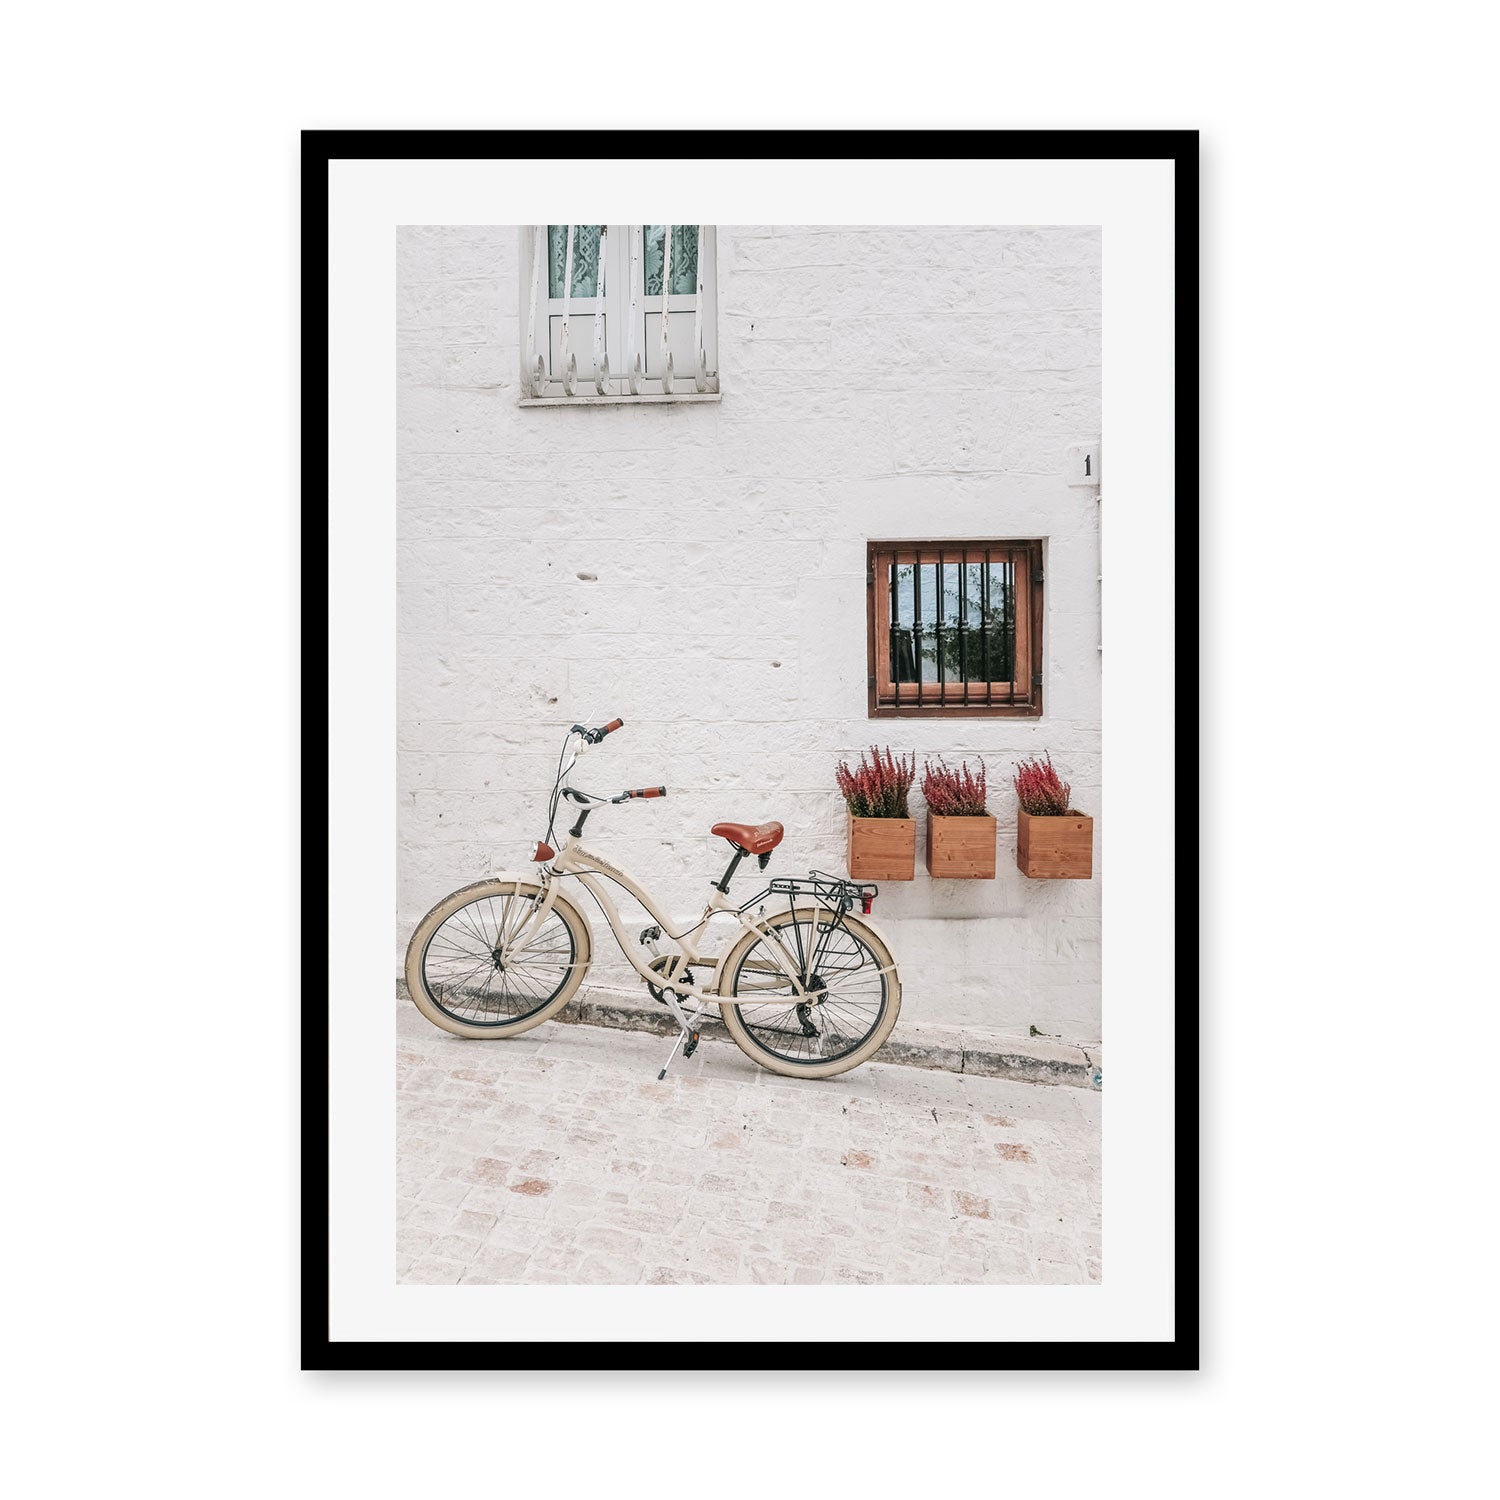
(878, 787)
(1040, 791)
(954, 794)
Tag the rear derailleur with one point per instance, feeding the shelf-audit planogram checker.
(813, 985)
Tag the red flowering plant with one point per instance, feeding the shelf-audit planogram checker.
(1041, 792)
(878, 790)
(953, 794)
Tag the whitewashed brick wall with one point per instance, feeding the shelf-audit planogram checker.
(877, 382)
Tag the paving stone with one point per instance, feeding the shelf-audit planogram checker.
(495, 1267)
(1057, 1273)
(427, 1271)
(674, 1276)
(411, 1241)
(863, 1275)
(434, 1217)
(465, 1221)
(457, 1247)
(565, 1161)
(449, 1191)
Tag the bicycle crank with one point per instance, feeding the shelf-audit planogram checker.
(667, 966)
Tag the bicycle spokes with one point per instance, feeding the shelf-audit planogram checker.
(811, 991)
(476, 972)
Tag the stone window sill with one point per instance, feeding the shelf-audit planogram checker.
(658, 400)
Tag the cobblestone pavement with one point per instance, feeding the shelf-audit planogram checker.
(558, 1157)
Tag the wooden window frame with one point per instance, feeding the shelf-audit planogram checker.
(1020, 698)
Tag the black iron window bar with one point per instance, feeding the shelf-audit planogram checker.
(996, 631)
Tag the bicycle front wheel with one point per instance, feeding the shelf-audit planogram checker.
(844, 965)
(459, 979)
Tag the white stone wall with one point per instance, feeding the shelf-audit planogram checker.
(877, 382)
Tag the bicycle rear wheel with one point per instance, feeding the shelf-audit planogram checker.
(847, 965)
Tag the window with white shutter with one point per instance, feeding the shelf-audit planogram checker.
(619, 312)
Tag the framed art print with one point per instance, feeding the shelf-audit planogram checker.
(756, 650)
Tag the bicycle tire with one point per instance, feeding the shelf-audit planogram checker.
(534, 1000)
(759, 1039)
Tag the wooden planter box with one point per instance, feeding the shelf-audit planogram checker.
(1055, 848)
(882, 848)
(961, 848)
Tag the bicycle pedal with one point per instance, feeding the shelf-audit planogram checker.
(691, 1047)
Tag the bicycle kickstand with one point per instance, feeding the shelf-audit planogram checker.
(687, 1034)
(691, 1038)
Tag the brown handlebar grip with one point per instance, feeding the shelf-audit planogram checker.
(613, 725)
(650, 791)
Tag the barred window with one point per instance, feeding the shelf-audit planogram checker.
(955, 629)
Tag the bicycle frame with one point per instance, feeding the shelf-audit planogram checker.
(575, 862)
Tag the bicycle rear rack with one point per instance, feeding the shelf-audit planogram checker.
(832, 891)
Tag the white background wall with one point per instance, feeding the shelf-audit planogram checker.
(877, 382)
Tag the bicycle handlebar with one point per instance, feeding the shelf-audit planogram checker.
(593, 736)
(588, 799)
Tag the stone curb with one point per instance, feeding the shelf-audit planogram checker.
(948, 1048)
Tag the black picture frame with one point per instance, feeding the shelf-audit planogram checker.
(319, 148)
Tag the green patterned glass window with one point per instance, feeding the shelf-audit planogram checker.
(979, 612)
(955, 628)
(684, 258)
(585, 259)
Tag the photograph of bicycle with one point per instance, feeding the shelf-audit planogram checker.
(750, 821)
(808, 991)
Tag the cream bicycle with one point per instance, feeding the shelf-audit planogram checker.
(808, 991)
